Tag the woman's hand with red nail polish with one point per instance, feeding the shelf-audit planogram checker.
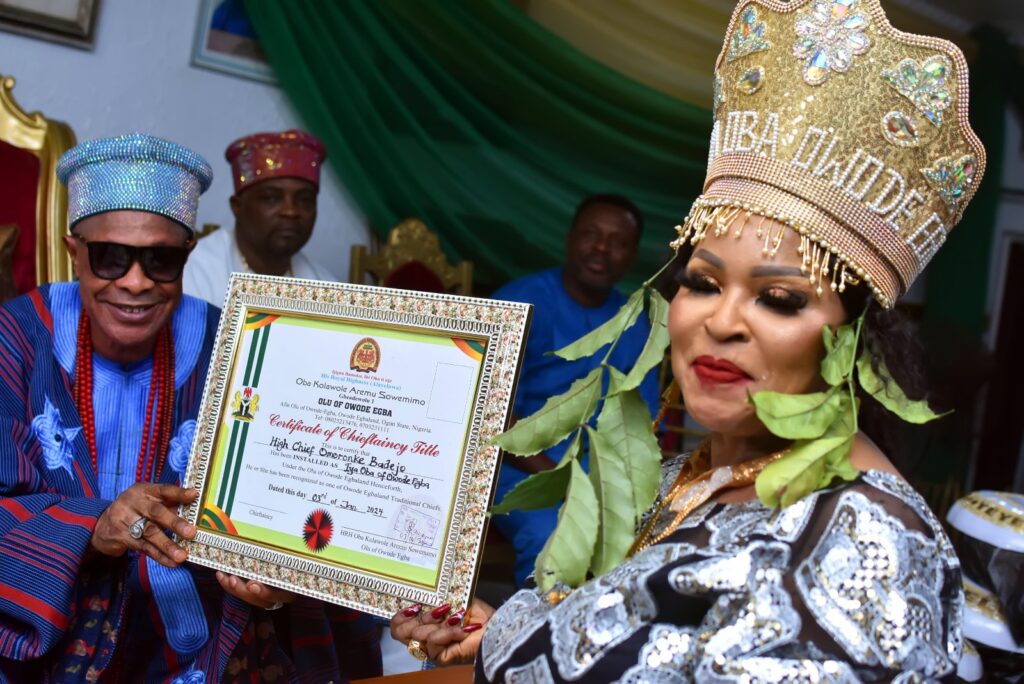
(443, 637)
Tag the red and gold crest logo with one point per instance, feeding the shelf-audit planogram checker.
(365, 356)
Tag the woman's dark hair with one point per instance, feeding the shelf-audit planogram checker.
(890, 338)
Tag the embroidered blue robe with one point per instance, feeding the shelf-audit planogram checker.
(70, 614)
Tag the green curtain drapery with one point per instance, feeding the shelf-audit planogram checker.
(475, 119)
(666, 44)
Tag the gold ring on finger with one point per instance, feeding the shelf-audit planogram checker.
(416, 650)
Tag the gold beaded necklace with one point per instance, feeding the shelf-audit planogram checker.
(696, 483)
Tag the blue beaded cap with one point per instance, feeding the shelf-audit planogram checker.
(134, 171)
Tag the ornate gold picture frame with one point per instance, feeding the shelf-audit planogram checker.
(343, 446)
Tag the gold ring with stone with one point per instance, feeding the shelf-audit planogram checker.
(416, 650)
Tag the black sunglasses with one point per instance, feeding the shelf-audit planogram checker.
(111, 260)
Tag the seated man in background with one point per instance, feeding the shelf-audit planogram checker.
(100, 385)
(569, 302)
(277, 178)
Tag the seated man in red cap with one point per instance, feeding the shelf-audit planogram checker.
(277, 178)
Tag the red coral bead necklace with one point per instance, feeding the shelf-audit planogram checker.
(155, 441)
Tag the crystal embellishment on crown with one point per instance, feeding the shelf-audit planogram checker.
(829, 36)
(900, 129)
(750, 37)
(951, 179)
(924, 84)
(751, 80)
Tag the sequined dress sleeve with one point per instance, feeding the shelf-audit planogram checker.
(854, 583)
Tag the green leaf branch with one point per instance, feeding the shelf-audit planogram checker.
(566, 555)
(883, 388)
(610, 330)
(542, 490)
(559, 417)
(599, 511)
(823, 425)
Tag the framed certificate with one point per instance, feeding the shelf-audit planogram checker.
(343, 446)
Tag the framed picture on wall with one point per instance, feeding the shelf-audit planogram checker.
(225, 41)
(71, 22)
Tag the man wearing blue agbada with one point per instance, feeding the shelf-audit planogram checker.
(100, 384)
(569, 302)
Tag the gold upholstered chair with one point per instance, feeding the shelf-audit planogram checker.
(411, 259)
(31, 197)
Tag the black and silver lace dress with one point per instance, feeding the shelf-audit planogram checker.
(853, 583)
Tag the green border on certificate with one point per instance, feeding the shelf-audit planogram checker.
(343, 447)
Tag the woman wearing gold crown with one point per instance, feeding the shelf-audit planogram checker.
(787, 546)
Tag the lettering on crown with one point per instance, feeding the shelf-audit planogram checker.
(929, 236)
(859, 175)
(743, 134)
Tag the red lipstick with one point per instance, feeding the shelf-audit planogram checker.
(712, 371)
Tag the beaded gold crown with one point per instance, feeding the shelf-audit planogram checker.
(845, 129)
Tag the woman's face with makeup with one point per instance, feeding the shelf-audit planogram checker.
(743, 322)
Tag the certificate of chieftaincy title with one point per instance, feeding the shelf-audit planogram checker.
(343, 449)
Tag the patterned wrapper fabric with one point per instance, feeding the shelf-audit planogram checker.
(845, 129)
(134, 171)
(262, 156)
